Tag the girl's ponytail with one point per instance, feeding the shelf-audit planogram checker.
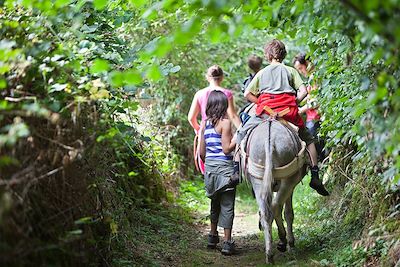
(215, 72)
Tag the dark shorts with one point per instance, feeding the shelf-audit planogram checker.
(306, 136)
(313, 127)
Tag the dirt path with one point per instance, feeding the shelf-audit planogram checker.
(249, 242)
(249, 245)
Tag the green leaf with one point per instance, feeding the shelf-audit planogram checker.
(58, 87)
(137, 3)
(133, 173)
(154, 73)
(214, 34)
(175, 69)
(89, 29)
(117, 78)
(132, 77)
(99, 65)
(84, 220)
(3, 84)
(75, 232)
(100, 4)
(61, 3)
(162, 48)
(8, 161)
(130, 89)
(146, 139)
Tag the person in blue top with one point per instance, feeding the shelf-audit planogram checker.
(255, 64)
(220, 176)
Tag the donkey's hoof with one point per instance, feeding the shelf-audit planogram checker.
(281, 246)
(270, 259)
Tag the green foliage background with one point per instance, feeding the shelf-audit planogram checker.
(102, 88)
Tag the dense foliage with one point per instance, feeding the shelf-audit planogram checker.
(102, 88)
(73, 157)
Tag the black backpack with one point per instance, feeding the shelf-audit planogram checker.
(247, 81)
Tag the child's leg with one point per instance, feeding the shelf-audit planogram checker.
(315, 182)
(214, 214)
(213, 229)
(312, 150)
(313, 127)
(227, 213)
(307, 137)
(213, 238)
(226, 220)
(227, 234)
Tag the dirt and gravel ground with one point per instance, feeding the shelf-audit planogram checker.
(249, 242)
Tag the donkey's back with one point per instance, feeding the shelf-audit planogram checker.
(284, 142)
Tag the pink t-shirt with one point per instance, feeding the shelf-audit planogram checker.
(202, 97)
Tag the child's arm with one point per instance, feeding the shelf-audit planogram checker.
(301, 93)
(249, 96)
(202, 143)
(232, 113)
(303, 109)
(228, 145)
(252, 89)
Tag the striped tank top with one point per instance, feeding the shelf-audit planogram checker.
(214, 144)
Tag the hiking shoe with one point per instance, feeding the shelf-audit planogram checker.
(316, 183)
(228, 248)
(213, 240)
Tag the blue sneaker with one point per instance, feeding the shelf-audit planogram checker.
(228, 248)
(213, 240)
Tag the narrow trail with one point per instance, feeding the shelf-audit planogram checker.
(249, 241)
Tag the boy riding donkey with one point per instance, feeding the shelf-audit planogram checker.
(279, 88)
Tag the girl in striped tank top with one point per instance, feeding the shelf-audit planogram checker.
(220, 177)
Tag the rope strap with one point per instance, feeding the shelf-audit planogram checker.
(195, 155)
(275, 114)
(283, 172)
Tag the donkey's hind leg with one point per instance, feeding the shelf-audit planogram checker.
(265, 218)
(284, 193)
(266, 222)
(289, 217)
(277, 206)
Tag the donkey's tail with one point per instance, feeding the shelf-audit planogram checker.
(268, 179)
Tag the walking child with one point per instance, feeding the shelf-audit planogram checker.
(220, 177)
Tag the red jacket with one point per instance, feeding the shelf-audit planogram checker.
(279, 102)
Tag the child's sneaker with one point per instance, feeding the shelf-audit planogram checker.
(228, 248)
(213, 240)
